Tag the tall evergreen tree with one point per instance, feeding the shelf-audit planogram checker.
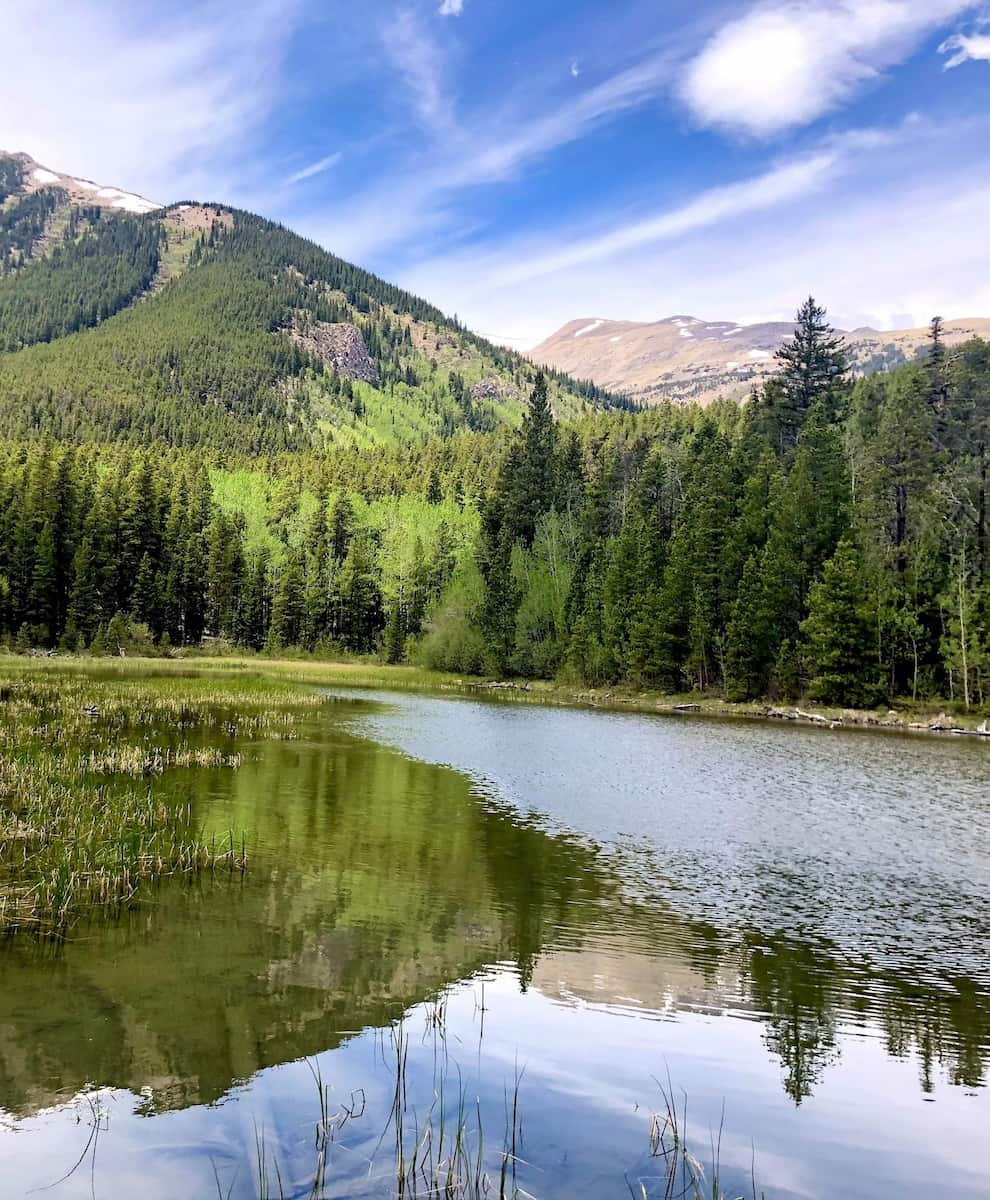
(813, 371)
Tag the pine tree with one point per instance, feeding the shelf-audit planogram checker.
(749, 638)
(395, 637)
(341, 527)
(43, 601)
(497, 618)
(145, 600)
(361, 597)
(937, 366)
(285, 628)
(86, 606)
(255, 611)
(813, 371)
(224, 576)
(839, 633)
(529, 475)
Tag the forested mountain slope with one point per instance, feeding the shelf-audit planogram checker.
(210, 428)
(203, 326)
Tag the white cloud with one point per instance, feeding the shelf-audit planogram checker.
(451, 8)
(776, 187)
(507, 143)
(419, 61)
(575, 68)
(966, 48)
(316, 168)
(784, 64)
(166, 108)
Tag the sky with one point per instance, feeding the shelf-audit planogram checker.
(523, 163)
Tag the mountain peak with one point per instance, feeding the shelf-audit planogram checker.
(35, 176)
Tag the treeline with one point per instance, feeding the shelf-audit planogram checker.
(829, 538)
(826, 539)
(105, 549)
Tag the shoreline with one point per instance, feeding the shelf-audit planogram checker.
(919, 719)
(924, 717)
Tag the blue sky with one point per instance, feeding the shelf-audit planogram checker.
(526, 162)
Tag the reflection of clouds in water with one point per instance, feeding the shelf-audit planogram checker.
(588, 1086)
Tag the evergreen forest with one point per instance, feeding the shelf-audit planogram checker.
(213, 432)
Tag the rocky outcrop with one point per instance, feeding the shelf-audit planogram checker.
(492, 390)
(341, 346)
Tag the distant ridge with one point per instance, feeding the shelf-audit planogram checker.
(685, 359)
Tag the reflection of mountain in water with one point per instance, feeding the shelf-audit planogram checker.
(377, 881)
(661, 965)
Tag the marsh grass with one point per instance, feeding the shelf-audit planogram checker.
(683, 1175)
(439, 1151)
(83, 826)
(434, 1153)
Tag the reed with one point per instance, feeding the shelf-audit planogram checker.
(683, 1175)
(83, 826)
(440, 1153)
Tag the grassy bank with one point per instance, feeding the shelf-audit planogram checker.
(934, 716)
(83, 822)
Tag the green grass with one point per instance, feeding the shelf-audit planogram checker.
(83, 825)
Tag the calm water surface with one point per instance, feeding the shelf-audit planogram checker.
(789, 927)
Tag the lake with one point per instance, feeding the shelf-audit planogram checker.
(498, 933)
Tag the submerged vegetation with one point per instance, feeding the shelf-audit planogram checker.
(82, 823)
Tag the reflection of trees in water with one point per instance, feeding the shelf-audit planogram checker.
(803, 994)
(398, 881)
(947, 1028)
(791, 990)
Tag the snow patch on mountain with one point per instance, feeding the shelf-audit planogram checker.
(589, 328)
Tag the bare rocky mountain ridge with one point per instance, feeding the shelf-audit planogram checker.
(688, 360)
(81, 191)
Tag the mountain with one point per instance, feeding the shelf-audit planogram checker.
(32, 177)
(200, 325)
(685, 359)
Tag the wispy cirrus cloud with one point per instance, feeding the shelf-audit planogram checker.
(493, 147)
(749, 249)
(165, 104)
(451, 8)
(732, 202)
(784, 64)
(421, 65)
(315, 168)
